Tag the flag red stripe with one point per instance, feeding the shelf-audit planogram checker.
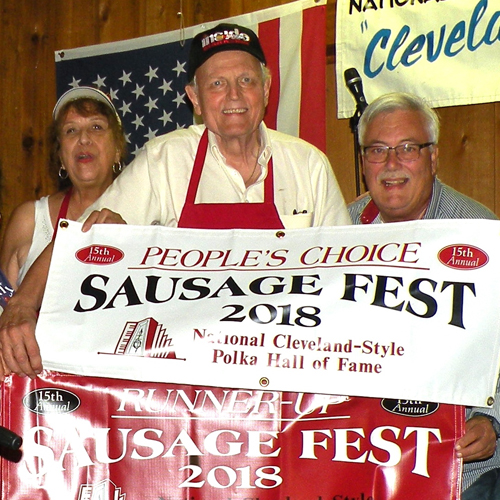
(269, 35)
(313, 98)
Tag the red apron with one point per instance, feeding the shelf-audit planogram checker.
(63, 211)
(227, 215)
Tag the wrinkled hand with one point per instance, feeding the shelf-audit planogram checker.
(19, 348)
(479, 440)
(104, 216)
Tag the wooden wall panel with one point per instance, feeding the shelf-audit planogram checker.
(340, 142)
(23, 45)
(467, 150)
(31, 30)
(160, 16)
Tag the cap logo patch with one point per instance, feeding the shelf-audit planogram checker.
(221, 37)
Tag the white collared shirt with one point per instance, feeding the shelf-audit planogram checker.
(152, 189)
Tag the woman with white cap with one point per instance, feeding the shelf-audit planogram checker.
(87, 150)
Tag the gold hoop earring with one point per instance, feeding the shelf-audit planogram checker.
(117, 167)
(63, 173)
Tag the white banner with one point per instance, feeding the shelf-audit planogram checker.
(397, 310)
(444, 51)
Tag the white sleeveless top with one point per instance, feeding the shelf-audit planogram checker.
(42, 235)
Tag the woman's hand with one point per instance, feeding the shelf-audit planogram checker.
(19, 348)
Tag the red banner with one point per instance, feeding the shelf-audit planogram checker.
(91, 438)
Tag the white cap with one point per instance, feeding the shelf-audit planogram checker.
(84, 92)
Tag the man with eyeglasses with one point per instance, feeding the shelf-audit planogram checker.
(399, 134)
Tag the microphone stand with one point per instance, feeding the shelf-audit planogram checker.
(353, 122)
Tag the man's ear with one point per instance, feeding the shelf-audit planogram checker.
(362, 164)
(434, 159)
(267, 90)
(193, 97)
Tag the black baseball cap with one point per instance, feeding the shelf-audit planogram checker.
(223, 37)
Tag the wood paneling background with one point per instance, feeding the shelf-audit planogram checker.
(31, 30)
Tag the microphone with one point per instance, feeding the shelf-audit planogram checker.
(354, 84)
(9, 439)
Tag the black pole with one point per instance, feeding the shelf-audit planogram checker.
(355, 86)
(353, 122)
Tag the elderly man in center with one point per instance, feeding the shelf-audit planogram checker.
(231, 169)
(230, 172)
(399, 136)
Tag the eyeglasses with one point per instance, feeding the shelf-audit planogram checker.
(404, 152)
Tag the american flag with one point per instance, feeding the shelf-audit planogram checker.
(145, 77)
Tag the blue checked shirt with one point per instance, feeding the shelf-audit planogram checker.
(446, 203)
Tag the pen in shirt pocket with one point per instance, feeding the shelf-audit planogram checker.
(298, 212)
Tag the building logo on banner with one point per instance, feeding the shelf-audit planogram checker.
(146, 338)
(104, 490)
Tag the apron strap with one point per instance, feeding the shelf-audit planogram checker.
(63, 211)
(199, 161)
